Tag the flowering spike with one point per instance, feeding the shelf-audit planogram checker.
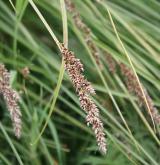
(85, 30)
(110, 62)
(134, 87)
(84, 89)
(11, 98)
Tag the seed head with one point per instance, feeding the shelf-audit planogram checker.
(85, 31)
(134, 87)
(84, 89)
(110, 62)
(11, 98)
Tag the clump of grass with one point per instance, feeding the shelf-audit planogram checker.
(83, 88)
(67, 139)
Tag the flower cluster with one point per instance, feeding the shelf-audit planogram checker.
(85, 30)
(134, 87)
(84, 89)
(11, 98)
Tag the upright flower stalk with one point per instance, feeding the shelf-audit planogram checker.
(11, 98)
(85, 31)
(84, 89)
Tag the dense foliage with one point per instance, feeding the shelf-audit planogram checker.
(26, 44)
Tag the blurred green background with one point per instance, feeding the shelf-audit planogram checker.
(25, 42)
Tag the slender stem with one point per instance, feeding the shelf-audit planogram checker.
(65, 25)
(12, 5)
(45, 24)
(134, 71)
(17, 23)
(55, 96)
(61, 73)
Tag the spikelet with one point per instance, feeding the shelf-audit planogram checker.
(85, 31)
(11, 98)
(134, 87)
(110, 62)
(84, 89)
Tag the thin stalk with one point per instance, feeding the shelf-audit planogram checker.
(45, 23)
(130, 61)
(61, 73)
(16, 28)
(10, 1)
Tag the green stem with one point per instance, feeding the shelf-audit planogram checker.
(61, 73)
(11, 144)
(56, 93)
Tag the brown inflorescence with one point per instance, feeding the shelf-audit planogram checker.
(85, 30)
(133, 87)
(11, 98)
(84, 89)
(110, 62)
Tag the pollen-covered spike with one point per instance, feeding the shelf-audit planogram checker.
(83, 88)
(11, 98)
